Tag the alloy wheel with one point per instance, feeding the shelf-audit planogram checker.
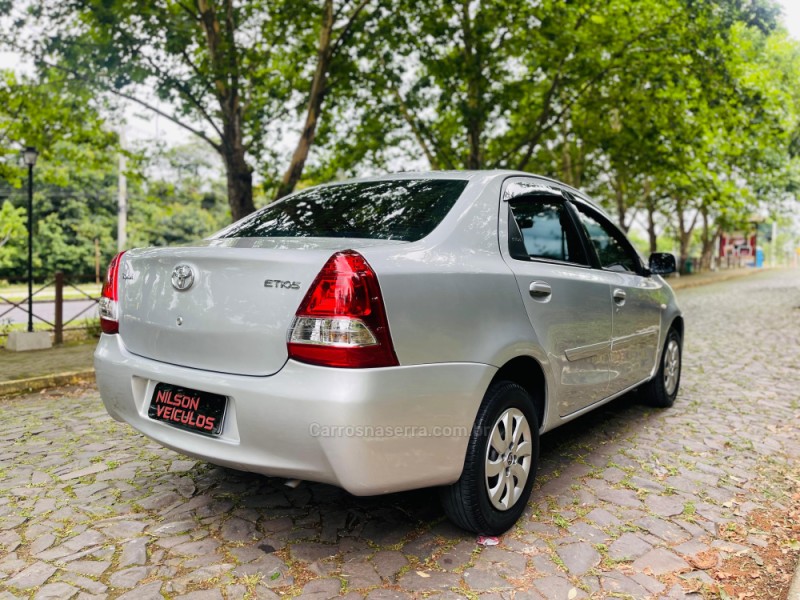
(508, 459)
(672, 366)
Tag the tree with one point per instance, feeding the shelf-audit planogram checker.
(689, 132)
(75, 204)
(233, 74)
(12, 222)
(177, 197)
(478, 85)
(12, 229)
(44, 113)
(64, 125)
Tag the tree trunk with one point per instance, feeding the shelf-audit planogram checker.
(651, 225)
(474, 112)
(683, 254)
(317, 95)
(570, 159)
(240, 183)
(650, 207)
(566, 162)
(709, 239)
(222, 53)
(618, 184)
(652, 238)
(684, 235)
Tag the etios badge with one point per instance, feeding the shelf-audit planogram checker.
(182, 277)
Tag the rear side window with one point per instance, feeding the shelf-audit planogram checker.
(614, 253)
(405, 210)
(543, 228)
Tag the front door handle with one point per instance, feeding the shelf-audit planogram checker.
(540, 290)
(619, 296)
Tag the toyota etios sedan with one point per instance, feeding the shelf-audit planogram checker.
(391, 333)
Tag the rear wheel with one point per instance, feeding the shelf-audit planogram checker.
(661, 391)
(501, 463)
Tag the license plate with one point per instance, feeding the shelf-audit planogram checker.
(193, 410)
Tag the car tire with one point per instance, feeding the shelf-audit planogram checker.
(661, 390)
(491, 504)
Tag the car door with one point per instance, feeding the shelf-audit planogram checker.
(568, 303)
(637, 304)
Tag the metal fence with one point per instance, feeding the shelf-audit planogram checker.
(58, 326)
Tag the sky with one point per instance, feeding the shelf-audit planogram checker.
(791, 12)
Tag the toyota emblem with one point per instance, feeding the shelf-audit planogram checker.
(182, 277)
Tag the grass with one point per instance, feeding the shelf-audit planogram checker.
(19, 292)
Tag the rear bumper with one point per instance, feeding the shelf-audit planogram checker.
(369, 431)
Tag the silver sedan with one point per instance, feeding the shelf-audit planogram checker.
(391, 333)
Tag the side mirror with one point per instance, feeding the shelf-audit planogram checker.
(662, 263)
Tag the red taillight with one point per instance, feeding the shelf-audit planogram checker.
(341, 321)
(109, 298)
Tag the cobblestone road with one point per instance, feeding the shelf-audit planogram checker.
(626, 502)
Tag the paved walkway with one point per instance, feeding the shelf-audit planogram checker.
(631, 502)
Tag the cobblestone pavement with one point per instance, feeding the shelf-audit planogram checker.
(626, 502)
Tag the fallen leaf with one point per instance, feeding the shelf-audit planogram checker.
(721, 575)
(422, 574)
(704, 560)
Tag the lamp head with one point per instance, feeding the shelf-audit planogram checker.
(29, 155)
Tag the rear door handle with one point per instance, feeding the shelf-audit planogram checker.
(619, 296)
(540, 290)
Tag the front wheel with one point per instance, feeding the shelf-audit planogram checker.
(500, 465)
(661, 391)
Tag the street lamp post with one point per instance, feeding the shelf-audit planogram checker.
(30, 155)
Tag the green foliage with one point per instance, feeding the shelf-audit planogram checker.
(173, 199)
(64, 125)
(13, 230)
(60, 120)
(188, 203)
(235, 74)
(12, 223)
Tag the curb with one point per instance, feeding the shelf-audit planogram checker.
(32, 384)
(794, 588)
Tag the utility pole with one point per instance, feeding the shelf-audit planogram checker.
(122, 199)
(96, 261)
(773, 243)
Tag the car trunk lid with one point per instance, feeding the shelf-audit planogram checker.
(239, 299)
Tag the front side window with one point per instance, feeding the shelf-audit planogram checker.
(614, 254)
(541, 228)
(400, 209)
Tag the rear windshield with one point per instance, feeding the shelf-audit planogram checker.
(406, 210)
